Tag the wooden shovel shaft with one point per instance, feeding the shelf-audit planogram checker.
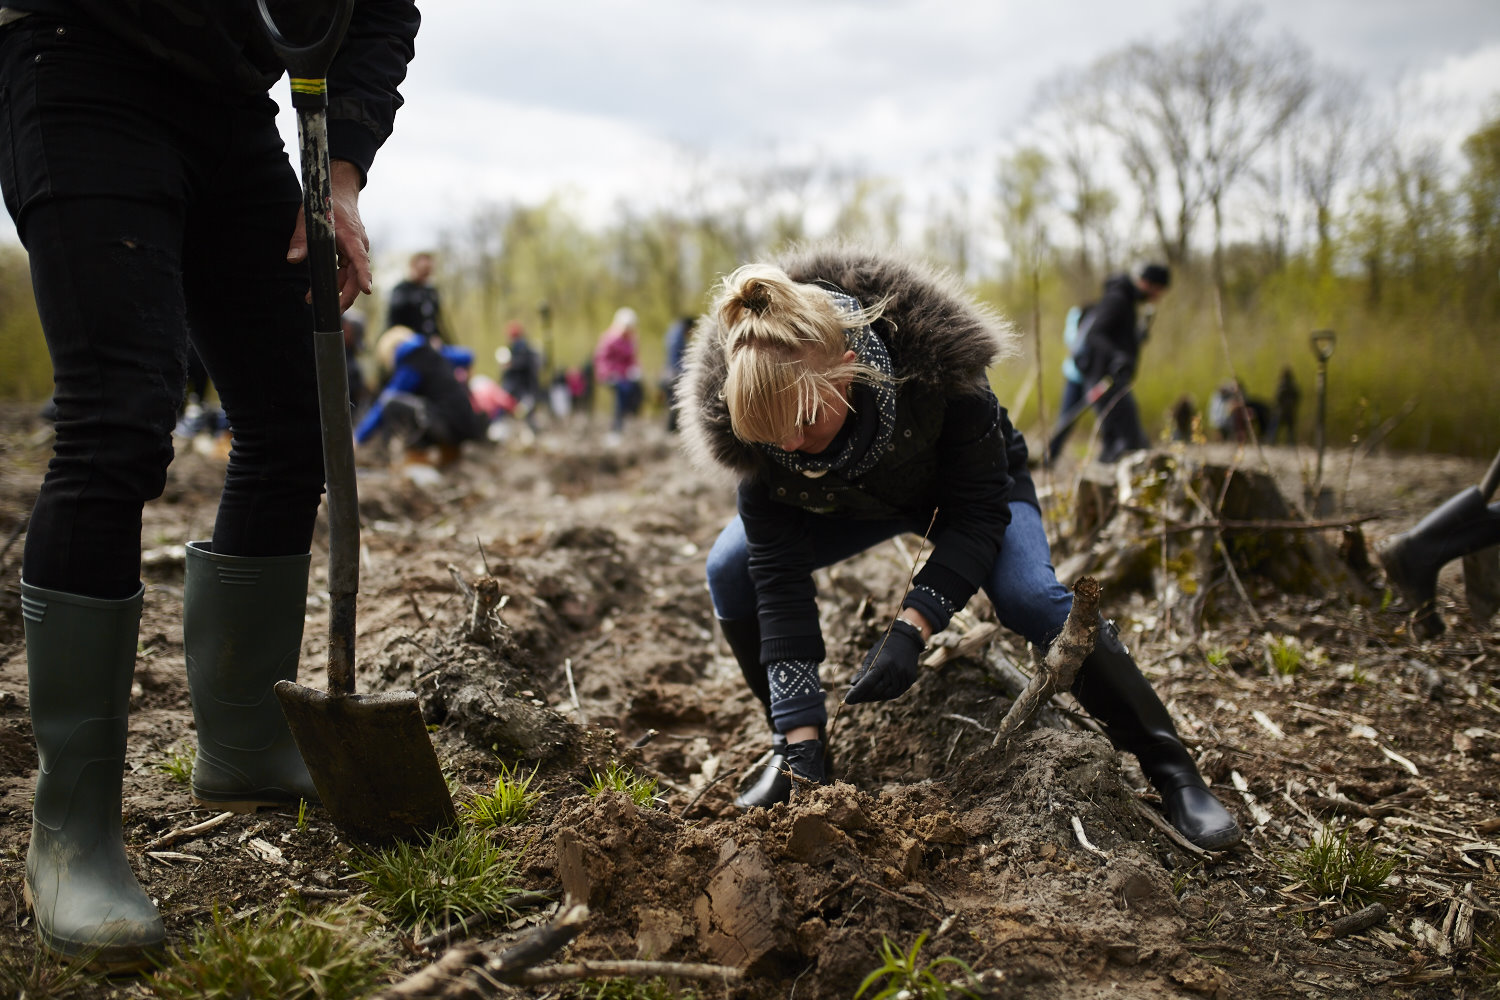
(333, 386)
(1491, 480)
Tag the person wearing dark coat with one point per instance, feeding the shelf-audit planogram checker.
(1112, 350)
(415, 303)
(846, 390)
(150, 185)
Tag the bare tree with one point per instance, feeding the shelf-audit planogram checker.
(1191, 115)
(1325, 147)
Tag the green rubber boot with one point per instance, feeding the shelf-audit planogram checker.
(242, 632)
(80, 658)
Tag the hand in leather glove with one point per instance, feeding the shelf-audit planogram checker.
(890, 668)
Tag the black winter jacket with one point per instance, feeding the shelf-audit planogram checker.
(953, 447)
(1113, 344)
(220, 43)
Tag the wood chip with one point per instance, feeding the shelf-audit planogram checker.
(265, 851)
(1083, 839)
(167, 857)
(1267, 724)
(1258, 812)
(1393, 755)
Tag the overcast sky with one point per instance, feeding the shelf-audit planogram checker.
(611, 99)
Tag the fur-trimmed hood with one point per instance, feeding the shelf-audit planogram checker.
(936, 333)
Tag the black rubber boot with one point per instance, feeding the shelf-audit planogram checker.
(242, 632)
(773, 785)
(1113, 690)
(808, 768)
(80, 658)
(1412, 559)
(743, 636)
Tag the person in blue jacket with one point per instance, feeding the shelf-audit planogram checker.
(148, 180)
(425, 401)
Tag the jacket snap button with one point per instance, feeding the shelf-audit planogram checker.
(908, 433)
(781, 491)
(62, 31)
(801, 496)
(830, 496)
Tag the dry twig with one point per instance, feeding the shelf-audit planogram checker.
(1056, 671)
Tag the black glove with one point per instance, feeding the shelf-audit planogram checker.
(890, 668)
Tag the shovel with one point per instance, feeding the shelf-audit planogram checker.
(369, 755)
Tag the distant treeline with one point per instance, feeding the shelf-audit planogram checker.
(1285, 197)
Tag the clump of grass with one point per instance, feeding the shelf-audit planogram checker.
(1486, 963)
(287, 953)
(427, 886)
(1285, 655)
(509, 804)
(635, 989)
(617, 778)
(177, 764)
(36, 972)
(906, 976)
(1218, 657)
(1331, 866)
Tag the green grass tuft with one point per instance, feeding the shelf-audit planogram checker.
(906, 976)
(1284, 654)
(1332, 867)
(510, 803)
(177, 764)
(618, 778)
(34, 973)
(427, 886)
(286, 953)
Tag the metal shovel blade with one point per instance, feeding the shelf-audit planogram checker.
(372, 762)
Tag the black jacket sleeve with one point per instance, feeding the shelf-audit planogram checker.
(973, 502)
(781, 568)
(1112, 347)
(365, 75)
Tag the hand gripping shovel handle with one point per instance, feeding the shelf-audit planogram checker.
(307, 65)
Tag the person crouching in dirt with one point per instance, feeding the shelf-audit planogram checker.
(847, 390)
(423, 402)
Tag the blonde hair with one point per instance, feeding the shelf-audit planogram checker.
(784, 343)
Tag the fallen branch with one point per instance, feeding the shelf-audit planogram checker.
(1057, 669)
(1353, 923)
(188, 831)
(1221, 524)
(463, 926)
(626, 968)
(445, 978)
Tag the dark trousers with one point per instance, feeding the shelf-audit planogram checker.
(156, 211)
(1120, 428)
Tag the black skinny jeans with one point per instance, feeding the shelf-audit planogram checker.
(156, 210)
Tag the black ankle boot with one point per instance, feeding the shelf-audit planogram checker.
(805, 760)
(1412, 559)
(773, 785)
(1112, 689)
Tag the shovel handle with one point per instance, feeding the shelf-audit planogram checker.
(308, 61)
(308, 68)
(1491, 480)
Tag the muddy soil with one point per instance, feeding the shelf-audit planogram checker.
(1037, 863)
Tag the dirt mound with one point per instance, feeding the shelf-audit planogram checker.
(1036, 863)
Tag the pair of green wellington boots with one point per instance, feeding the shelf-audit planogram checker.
(242, 632)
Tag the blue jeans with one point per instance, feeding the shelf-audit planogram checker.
(1022, 586)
